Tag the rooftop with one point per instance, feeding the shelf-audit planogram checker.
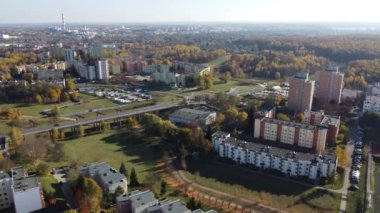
(290, 123)
(19, 172)
(104, 171)
(138, 198)
(176, 206)
(4, 175)
(281, 153)
(25, 183)
(190, 114)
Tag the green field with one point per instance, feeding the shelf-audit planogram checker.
(273, 191)
(219, 61)
(114, 147)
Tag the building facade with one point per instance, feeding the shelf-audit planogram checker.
(330, 85)
(301, 92)
(135, 202)
(70, 55)
(318, 118)
(193, 116)
(292, 133)
(6, 196)
(290, 163)
(27, 191)
(102, 70)
(371, 104)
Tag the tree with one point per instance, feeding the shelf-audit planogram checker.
(202, 83)
(104, 126)
(163, 189)
(182, 156)
(300, 117)
(38, 99)
(342, 156)
(282, 117)
(220, 118)
(88, 195)
(16, 138)
(242, 117)
(232, 113)
(123, 169)
(81, 131)
(43, 169)
(118, 192)
(56, 112)
(55, 134)
(277, 75)
(226, 77)
(133, 178)
(209, 81)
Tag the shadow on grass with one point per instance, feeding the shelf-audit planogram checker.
(234, 175)
(319, 199)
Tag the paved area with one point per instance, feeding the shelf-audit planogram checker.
(376, 196)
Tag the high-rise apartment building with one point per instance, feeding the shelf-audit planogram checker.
(301, 91)
(330, 85)
(102, 70)
(70, 55)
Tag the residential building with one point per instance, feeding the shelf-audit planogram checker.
(6, 198)
(288, 162)
(301, 91)
(349, 94)
(135, 202)
(91, 72)
(178, 73)
(374, 89)
(156, 68)
(330, 85)
(193, 116)
(318, 118)
(371, 104)
(167, 206)
(27, 191)
(268, 111)
(50, 75)
(292, 133)
(107, 177)
(115, 68)
(136, 66)
(102, 70)
(70, 55)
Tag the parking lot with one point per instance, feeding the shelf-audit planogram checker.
(121, 96)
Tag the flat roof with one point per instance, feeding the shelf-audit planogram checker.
(138, 198)
(190, 114)
(290, 123)
(18, 172)
(25, 183)
(279, 152)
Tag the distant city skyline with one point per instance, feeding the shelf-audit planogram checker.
(156, 11)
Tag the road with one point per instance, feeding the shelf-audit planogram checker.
(376, 197)
(91, 120)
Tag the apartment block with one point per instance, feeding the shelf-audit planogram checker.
(70, 55)
(26, 190)
(107, 177)
(371, 104)
(330, 85)
(301, 92)
(6, 198)
(102, 70)
(290, 163)
(319, 118)
(292, 133)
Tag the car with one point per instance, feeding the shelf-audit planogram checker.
(358, 146)
(356, 167)
(56, 124)
(357, 151)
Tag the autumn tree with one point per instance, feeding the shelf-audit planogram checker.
(55, 134)
(220, 118)
(33, 149)
(342, 156)
(283, 117)
(16, 138)
(88, 195)
(38, 99)
(300, 117)
(164, 186)
(226, 77)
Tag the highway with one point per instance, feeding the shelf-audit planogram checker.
(91, 120)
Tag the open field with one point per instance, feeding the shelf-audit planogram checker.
(217, 62)
(114, 147)
(282, 194)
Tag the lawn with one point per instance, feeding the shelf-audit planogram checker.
(282, 194)
(218, 61)
(115, 147)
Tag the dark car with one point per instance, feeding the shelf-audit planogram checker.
(56, 124)
(353, 187)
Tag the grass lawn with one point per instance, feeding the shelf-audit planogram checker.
(115, 147)
(280, 193)
(338, 184)
(218, 61)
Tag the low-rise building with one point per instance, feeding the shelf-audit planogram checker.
(193, 116)
(135, 202)
(371, 104)
(49, 74)
(6, 196)
(374, 89)
(167, 206)
(27, 191)
(108, 178)
(288, 162)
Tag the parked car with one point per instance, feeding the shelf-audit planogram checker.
(353, 187)
(358, 151)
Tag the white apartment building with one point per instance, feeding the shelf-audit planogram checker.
(27, 191)
(6, 198)
(91, 73)
(287, 162)
(371, 104)
(302, 135)
(107, 177)
(102, 70)
(70, 55)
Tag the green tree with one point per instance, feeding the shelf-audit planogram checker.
(226, 77)
(56, 112)
(232, 113)
(123, 169)
(89, 196)
(81, 131)
(43, 169)
(283, 117)
(183, 155)
(202, 83)
(118, 192)
(133, 180)
(164, 186)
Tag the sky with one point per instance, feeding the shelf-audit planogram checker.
(136, 11)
